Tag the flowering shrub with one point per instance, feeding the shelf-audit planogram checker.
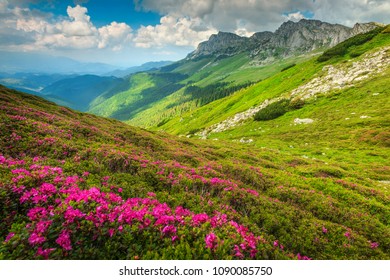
(75, 186)
(65, 216)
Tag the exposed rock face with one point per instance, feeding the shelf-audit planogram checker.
(291, 38)
(364, 27)
(223, 43)
(302, 121)
(336, 78)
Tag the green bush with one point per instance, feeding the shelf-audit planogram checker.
(273, 110)
(297, 103)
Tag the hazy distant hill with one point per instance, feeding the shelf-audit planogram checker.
(144, 67)
(16, 62)
(78, 92)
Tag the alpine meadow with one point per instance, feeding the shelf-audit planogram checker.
(273, 146)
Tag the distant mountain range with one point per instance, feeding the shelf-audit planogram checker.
(73, 90)
(16, 62)
(144, 67)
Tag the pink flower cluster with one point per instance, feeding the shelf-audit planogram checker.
(66, 200)
(211, 241)
(304, 258)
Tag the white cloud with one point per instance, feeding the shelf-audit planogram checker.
(183, 24)
(115, 35)
(297, 16)
(3, 5)
(74, 32)
(226, 15)
(247, 16)
(351, 11)
(173, 31)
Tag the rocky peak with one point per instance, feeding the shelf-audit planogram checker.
(262, 36)
(365, 27)
(291, 38)
(222, 43)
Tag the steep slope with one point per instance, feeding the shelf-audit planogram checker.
(218, 67)
(77, 186)
(336, 111)
(355, 60)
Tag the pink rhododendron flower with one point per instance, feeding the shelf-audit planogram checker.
(255, 193)
(71, 214)
(200, 218)
(167, 230)
(374, 245)
(44, 252)
(211, 241)
(300, 257)
(9, 236)
(37, 213)
(237, 252)
(64, 240)
(42, 226)
(47, 188)
(35, 239)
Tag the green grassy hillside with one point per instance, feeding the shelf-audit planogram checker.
(152, 98)
(282, 84)
(77, 186)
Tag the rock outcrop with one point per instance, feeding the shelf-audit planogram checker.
(291, 38)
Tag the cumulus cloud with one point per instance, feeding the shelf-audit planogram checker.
(351, 11)
(73, 32)
(297, 16)
(173, 31)
(247, 16)
(183, 23)
(114, 35)
(225, 14)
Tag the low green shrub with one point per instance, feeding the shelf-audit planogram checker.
(273, 110)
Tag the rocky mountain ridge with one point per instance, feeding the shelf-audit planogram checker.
(291, 38)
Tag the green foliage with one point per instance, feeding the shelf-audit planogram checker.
(210, 93)
(273, 110)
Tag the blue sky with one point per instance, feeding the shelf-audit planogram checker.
(103, 12)
(131, 32)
